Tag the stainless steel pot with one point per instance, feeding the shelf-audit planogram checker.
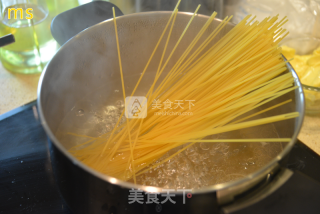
(86, 68)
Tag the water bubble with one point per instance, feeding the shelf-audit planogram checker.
(213, 152)
(80, 113)
(112, 113)
(185, 166)
(224, 149)
(205, 156)
(190, 150)
(120, 104)
(98, 118)
(216, 146)
(195, 158)
(251, 161)
(21, 161)
(205, 146)
(109, 127)
(12, 182)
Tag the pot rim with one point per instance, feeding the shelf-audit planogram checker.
(209, 189)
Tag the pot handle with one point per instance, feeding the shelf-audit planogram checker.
(6, 40)
(293, 192)
(71, 22)
(294, 189)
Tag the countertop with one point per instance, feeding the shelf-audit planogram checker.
(19, 89)
(16, 89)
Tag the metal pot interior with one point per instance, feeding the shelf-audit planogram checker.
(81, 88)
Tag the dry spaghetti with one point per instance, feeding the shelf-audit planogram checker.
(241, 72)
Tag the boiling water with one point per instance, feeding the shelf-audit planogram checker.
(200, 165)
(206, 164)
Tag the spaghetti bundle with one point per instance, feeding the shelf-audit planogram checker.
(241, 72)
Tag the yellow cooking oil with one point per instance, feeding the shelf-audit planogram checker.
(34, 45)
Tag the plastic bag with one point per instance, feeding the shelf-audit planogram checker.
(301, 13)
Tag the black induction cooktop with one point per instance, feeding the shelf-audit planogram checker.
(26, 179)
